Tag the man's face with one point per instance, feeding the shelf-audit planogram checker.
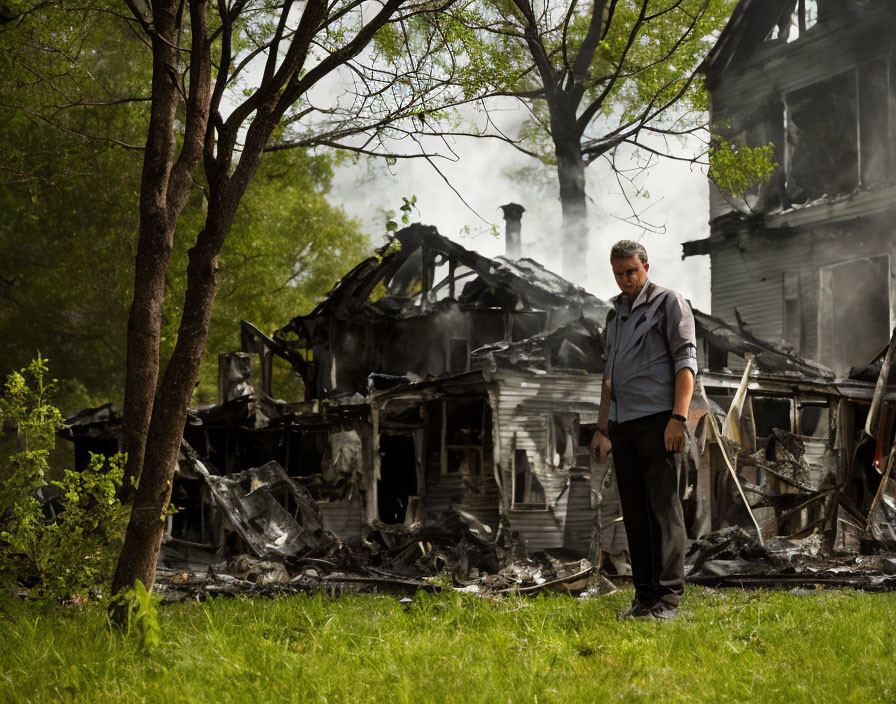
(630, 274)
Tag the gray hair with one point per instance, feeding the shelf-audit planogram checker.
(624, 249)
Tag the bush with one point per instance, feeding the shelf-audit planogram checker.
(76, 553)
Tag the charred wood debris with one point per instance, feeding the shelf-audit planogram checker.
(443, 444)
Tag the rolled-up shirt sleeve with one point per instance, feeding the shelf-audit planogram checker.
(681, 333)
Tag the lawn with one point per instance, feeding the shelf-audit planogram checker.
(727, 646)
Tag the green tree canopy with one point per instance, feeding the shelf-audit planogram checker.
(68, 189)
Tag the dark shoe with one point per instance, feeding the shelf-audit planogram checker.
(636, 610)
(663, 612)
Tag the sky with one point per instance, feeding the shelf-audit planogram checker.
(486, 174)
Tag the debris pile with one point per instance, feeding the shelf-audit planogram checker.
(442, 552)
(251, 576)
(731, 557)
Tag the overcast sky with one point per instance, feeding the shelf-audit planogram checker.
(486, 176)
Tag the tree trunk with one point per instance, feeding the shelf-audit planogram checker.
(571, 174)
(156, 449)
(143, 539)
(156, 237)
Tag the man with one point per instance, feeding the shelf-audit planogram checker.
(648, 383)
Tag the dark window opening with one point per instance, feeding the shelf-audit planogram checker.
(487, 327)
(195, 436)
(527, 489)
(219, 443)
(814, 420)
(770, 412)
(309, 450)
(822, 139)
(716, 357)
(855, 321)
(259, 447)
(463, 421)
(433, 436)
(797, 18)
(398, 476)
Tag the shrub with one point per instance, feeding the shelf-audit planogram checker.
(74, 554)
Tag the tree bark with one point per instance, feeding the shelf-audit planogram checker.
(155, 239)
(155, 430)
(143, 538)
(164, 190)
(145, 529)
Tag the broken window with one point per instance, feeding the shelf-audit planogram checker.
(464, 430)
(463, 422)
(874, 139)
(854, 312)
(797, 17)
(527, 489)
(770, 412)
(822, 139)
(565, 437)
(759, 127)
(441, 275)
(449, 278)
(715, 357)
(487, 327)
(814, 420)
(583, 450)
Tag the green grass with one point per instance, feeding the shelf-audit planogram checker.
(729, 646)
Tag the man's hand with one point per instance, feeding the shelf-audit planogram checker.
(675, 436)
(600, 445)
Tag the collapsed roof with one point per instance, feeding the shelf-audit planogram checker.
(424, 306)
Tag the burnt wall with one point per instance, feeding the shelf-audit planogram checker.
(822, 288)
(826, 101)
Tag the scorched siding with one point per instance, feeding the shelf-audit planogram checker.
(525, 404)
(748, 275)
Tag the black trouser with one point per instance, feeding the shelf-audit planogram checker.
(651, 509)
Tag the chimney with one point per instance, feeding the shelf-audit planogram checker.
(513, 214)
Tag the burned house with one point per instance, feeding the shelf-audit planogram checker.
(806, 257)
(452, 397)
(463, 382)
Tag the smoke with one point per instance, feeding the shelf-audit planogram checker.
(487, 173)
